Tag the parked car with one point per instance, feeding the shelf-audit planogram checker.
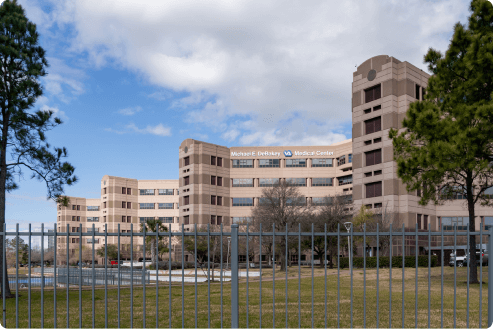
(462, 260)
(114, 262)
(478, 258)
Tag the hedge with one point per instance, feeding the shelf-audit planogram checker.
(371, 262)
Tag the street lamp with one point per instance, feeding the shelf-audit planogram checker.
(348, 228)
(227, 255)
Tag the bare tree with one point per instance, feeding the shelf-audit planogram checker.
(280, 206)
(332, 213)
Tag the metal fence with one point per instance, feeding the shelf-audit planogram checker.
(251, 298)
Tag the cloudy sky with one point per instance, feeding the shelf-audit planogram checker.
(132, 79)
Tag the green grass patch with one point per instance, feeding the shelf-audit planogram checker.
(298, 311)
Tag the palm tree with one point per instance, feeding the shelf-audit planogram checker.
(153, 225)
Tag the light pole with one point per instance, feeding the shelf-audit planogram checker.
(348, 228)
(227, 255)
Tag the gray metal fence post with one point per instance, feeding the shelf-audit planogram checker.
(490, 279)
(234, 277)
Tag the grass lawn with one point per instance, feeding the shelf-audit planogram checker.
(305, 309)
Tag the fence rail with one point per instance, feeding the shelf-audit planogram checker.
(333, 297)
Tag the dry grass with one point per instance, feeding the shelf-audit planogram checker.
(294, 310)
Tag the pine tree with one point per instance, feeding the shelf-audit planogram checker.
(446, 146)
(23, 130)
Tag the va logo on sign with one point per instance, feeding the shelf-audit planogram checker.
(288, 153)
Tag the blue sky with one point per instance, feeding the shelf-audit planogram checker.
(132, 79)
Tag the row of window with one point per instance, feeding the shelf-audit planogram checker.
(291, 163)
(159, 192)
(317, 201)
(153, 205)
(270, 182)
(215, 161)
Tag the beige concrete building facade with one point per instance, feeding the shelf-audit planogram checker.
(221, 185)
(382, 90)
(124, 203)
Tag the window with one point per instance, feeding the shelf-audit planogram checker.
(165, 206)
(213, 180)
(177, 192)
(377, 205)
(177, 206)
(349, 158)
(417, 91)
(213, 160)
(268, 182)
(291, 163)
(74, 240)
(449, 222)
(373, 157)
(219, 181)
(322, 182)
(90, 229)
(377, 140)
(320, 201)
(187, 161)
(129, 219)
(242, 202)
(450, 193)
(242, 220)
(168, 220)
(146, 205)
(418, 221)
(378, 107)
(73, 207)
(344, 180)
(368, 174)
(104, 204)
(129, 191)
(124, 190)
(124, 204)
(377, 172)
(425, 222)
(373, 189)
(367, 111)
(124, 219)
(247, 163)
(92, 240)
(213, 220)
(186, 180)
(104, 219)
(78, 218)
(93, 219)
(296, 181)
(129, 205)
(219, 200)
(242, 182)
(341, 160)
(219, 220)
(146, 192)
(145, 219)
(269, 163)
(213, 199)
(488, 221)
(186, 220)
(78, 207)
(368, 142)
(75, 229)
(373, 93)
(186, 200)
(219, 162)
(165, 192)
(322, 163)
(373, 125)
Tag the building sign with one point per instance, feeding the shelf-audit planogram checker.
(287, 153)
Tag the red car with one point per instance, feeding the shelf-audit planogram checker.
(114, 262)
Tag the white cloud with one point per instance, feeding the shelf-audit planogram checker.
(63, 81)
(160, 95)
(56, 111)
(130, 110)
(252, 60)
(158, 130)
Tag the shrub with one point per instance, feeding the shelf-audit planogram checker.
(384, 261)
